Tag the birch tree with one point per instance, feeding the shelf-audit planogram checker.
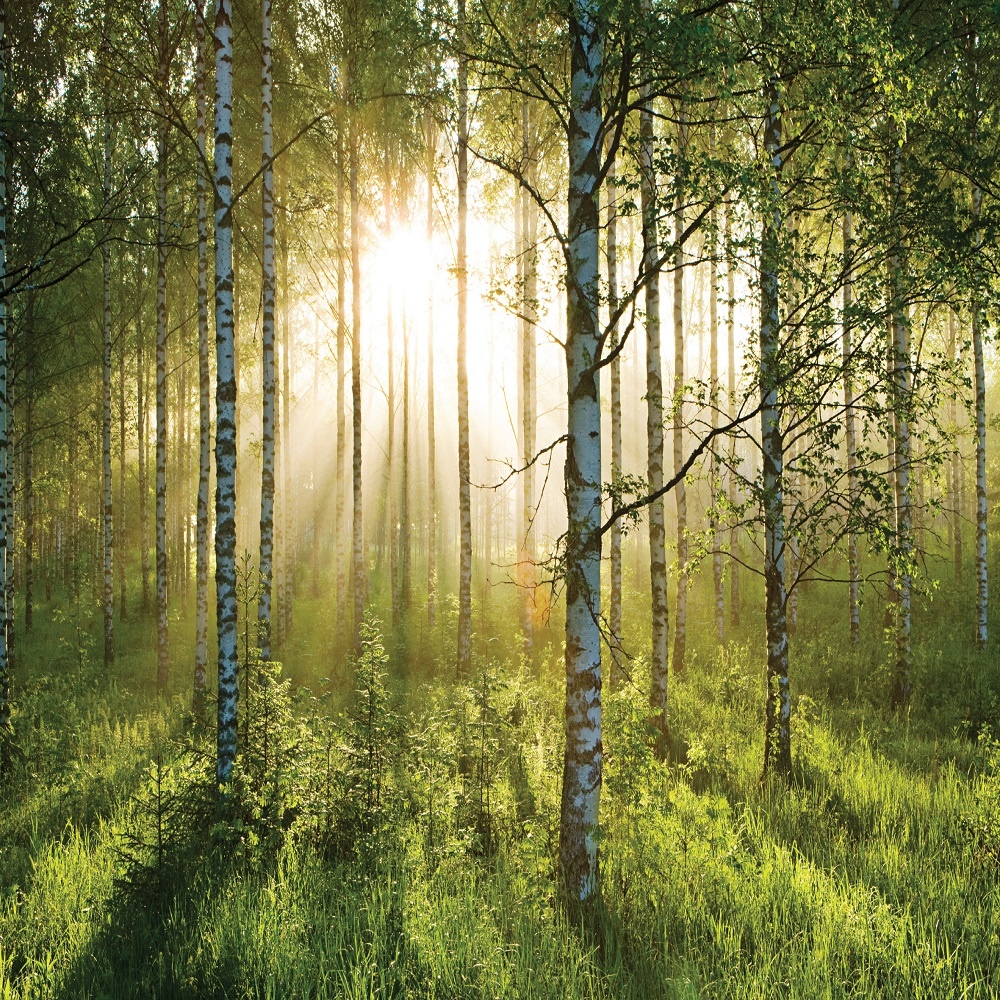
(225, 398)
(107, 487)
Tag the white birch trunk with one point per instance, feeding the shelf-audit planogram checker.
(777, 736)
(266, 561)
(464, 645)
(978, 322)
(204, 413)
(582, 765)
(225, 398)
(162, 648)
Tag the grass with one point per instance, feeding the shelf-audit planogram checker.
(877, 874)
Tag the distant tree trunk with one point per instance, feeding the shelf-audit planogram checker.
(390, 458)
(982, 533)
(432, 519)
(29, 512)
(734, 549)
(464, 646)
(900, 395)
(582, 764)
(777, 733)
(141, 423)
(851, 433)
(122, 543)
(225, 398)
(265, 564)
(615, 603)
(529, 293)
(713, 333)
(358, 534)
(680, 492)
(162, 650)
(108, 597)
(288, 498)
(204, 379)
(955, 520)
(404, 493)
(314, 475)
(654, 418)
(341, 412)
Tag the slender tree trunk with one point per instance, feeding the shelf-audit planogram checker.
(5, 672)
(358, 534)
(654, 420)
(390, 459)
(529, 293)
(464, 647)
(734, 548)
(713, 333)
(314, 475)
(404, 492)
(982, 534)
(900, 386)
(204, 379)
(582, 764)
(777, 733)
(265, 564)
(225, 398)
(955, 520)
(341, 404)
(432, 513)
(122, 543)
(162, 649)
(615, 603)
(108, 599)
(141, 422)
(680, 492)
(29, 513)
(851, 433)
(289, 527)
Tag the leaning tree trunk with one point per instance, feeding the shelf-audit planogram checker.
(204, 413)
(162, 649)
(654, 419)
(680, 492)
(615, 602)
(266, 564)
(464, 645)
(358, 535)
(432, 520)
(583, 756)
(225, 398)
(851, 433)
(107, 520)
(777, 733)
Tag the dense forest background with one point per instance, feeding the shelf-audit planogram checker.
(495, 498)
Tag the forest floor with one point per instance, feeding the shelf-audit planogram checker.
(397, 838)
